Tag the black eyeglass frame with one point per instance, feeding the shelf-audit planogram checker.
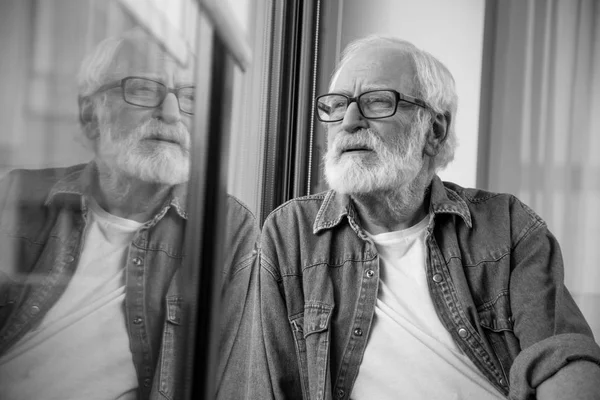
(399, 97)
(168, 90)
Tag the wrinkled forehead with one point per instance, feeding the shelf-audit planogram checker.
(146, 58)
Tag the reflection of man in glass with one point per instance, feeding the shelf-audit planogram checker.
(89, 307)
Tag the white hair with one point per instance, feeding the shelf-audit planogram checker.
(433, 83)
(96, 66)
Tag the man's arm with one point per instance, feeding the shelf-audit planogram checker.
(556, 341)
(262, 363)
(576, 380)
(275, 373)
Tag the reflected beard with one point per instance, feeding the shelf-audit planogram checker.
(395, 165)
(153, 162)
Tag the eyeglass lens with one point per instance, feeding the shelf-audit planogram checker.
(148, 93)
(376, 104)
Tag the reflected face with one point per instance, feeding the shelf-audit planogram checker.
(368, 155)
(150, 144)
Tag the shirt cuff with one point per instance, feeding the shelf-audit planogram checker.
(540, 361)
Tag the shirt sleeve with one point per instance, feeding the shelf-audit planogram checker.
(263, 363)
(543, 359)
(551, 329)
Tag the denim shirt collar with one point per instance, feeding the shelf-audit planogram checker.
(442, 201)
(71, 189)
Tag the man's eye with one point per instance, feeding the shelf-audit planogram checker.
(324, 107)
(188, 96)
(336, 105)
(144, 89)
(379, 102)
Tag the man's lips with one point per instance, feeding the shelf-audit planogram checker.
(164, 139)
(355, 149)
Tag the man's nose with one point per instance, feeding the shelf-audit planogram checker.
(353, 119)
(169, 111)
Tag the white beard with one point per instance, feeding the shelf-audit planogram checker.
(149, 161)
(392, 166)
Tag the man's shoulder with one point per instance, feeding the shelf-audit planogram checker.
(45, 176)
(475, 195)
(303, 208)
(238, 207)
(239, 216)
(34, 185)
(494, 205)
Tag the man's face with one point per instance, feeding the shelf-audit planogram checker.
(150, 144)
(367, 155)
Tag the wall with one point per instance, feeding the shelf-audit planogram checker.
(450, 30)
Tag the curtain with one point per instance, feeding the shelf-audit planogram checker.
(544, 127)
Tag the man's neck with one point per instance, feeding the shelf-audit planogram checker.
(128, 197)
(393, 210)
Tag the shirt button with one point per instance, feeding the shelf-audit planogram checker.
(340, 393)
(138, 320)
(34, 310)
(501, 382)
(370, 273)
(358, 332)
(147, 382)
(437, 278)
(69, 259)
(463, 333)
(137, 261)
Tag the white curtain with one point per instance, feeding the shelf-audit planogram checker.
(544, 134)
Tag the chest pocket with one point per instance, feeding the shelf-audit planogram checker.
(312, 336)
(172, 352)
(496, 320)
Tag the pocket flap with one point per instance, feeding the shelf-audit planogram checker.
(174, 309)
(316, 317)
(9, 291)
(496, 316)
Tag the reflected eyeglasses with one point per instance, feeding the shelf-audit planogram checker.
(144, 92)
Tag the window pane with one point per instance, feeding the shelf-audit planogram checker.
(93, 204)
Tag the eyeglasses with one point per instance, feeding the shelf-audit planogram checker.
(374, 104)
(144, 92)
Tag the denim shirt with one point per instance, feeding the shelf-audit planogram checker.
(494, 273)
(43, 216)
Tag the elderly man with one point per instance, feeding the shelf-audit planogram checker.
(90, 301)
(394, 284)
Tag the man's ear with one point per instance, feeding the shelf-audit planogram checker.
(437, 134)
(87, 117)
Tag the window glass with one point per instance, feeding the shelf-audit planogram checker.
(99, 131)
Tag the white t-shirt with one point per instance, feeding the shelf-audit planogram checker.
(409, 353)
(81, 348)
